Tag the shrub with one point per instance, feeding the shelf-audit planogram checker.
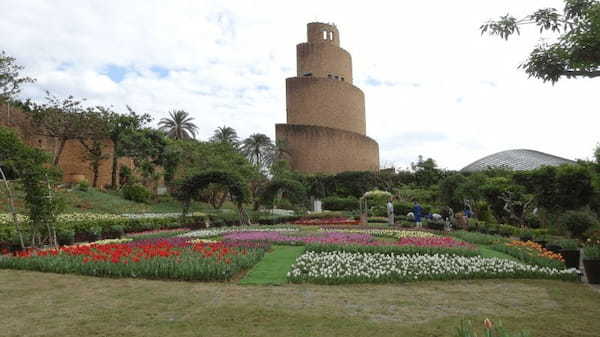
(83, 186)
(340, 204)
(578, 222)
(137, 193)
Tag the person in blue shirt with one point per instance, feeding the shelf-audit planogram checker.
(418, 212)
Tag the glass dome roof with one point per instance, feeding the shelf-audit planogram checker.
(517, 160)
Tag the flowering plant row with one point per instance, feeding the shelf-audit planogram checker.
(528, 255)
(173, 258)
(158, 233)
(326, 221)
(343, 267)
(392, 233)
(302, 238)
(386, 248)
(536, 248)
(207, 233)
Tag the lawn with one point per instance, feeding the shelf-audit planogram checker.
(37, 304)
(274, 266)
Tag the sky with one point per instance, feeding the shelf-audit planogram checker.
(433, 85)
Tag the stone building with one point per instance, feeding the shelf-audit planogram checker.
(73, 162)
(326, 128)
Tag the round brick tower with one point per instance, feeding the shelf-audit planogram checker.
(326, 128)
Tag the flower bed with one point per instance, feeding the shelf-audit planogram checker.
(207, 233)
(392, 233)
(326, 221)
(445, 242)
(378, 247)
(342, 267)
(301, 238)
(173, 258)
(531, 253)
(159, 233)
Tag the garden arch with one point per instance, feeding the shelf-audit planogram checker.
(295, 191)
(190, 188)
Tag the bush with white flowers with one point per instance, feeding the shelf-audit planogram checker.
(343, 267)
(212, 232)
(390, 233)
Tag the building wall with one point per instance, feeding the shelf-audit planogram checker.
(73, 160)
(323, 60)
(315, 149)
(325, 102)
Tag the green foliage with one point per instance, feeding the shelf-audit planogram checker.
(83, 186)
(527, 256)
(10, 79)
(578, 222)
(292, 190)
(591, 252)
(576, 50)
(137, 193)
(451, 192)
(340, 204)
(478, 238)
(190, 188)
(354, 184)
(178, 125)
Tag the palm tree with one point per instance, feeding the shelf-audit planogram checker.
(179, 125)
(225, 134)
(258, 149)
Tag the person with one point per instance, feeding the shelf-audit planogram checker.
(417, 211)
(390, 212)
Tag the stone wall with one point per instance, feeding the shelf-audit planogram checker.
(323, 60)
(315, 149)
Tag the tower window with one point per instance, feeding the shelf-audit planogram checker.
(331, 36)
(337, 77)
(307, 74)
(342, 78)
(324, 35)
(329, 76)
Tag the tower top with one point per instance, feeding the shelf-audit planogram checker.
(318, 32)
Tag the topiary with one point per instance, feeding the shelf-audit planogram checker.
(137, 193)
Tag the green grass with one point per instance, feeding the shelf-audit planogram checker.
(96, 201)
(74, 306)
(274, 266)
(485, 251)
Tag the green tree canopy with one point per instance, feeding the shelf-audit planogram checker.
(10, 78)
(576, 50)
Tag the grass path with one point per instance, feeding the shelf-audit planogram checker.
(485, 251)
(273, 268)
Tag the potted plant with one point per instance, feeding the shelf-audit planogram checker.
(591, 261)
(569, 250)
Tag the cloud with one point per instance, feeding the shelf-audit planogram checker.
(433, 85)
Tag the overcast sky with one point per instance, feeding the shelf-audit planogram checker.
(433, 85)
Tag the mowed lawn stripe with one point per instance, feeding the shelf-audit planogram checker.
(274, 266)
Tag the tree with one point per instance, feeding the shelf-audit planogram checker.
(226, 134)
(36, 178)
(61, 119)
(94, 141)
(576, 50)
(10, 80)
(121, 126)
(426, 172)
(258, 149)
(178, 125)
